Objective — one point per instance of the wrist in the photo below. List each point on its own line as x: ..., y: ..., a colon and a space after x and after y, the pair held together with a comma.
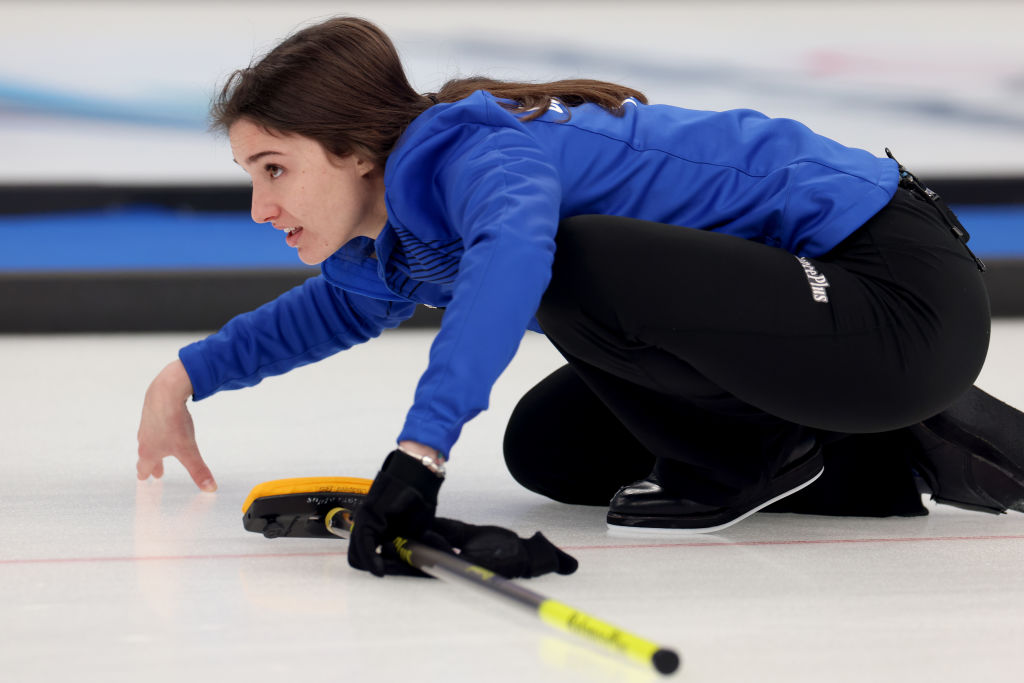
x: 174, y: 382
x: 410, y: 472
x: 419, y: 449
x: 428, y: 457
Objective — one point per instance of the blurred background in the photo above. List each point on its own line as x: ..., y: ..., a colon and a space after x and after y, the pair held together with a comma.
x: 119, y: 211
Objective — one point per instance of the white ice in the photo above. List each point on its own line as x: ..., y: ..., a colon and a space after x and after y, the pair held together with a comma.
x: 106, y: 579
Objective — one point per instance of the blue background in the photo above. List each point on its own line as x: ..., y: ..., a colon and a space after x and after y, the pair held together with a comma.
x: 144, y: 238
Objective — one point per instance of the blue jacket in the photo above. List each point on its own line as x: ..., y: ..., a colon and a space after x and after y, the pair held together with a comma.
x: 474, y: 197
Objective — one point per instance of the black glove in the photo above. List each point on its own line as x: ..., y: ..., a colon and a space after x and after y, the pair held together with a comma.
x: 502, y: 551
x: 490, y: 547
x: 401, y: 502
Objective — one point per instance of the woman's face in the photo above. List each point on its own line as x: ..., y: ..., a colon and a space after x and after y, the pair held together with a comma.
x: 320, y: 201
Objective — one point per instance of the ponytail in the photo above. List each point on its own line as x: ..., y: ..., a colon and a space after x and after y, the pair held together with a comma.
x: 533, y: 99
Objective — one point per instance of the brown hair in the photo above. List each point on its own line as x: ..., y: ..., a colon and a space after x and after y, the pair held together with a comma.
x: 341, y: 83
x: 533, y: 99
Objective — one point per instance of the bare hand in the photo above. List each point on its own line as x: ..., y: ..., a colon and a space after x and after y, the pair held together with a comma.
x: 166, y: 429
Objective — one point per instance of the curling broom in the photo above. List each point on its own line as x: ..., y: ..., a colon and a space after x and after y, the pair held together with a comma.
x: 323, y: 507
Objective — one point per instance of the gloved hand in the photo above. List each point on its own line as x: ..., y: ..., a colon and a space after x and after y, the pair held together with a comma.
x: 401, y: 502
x: 491, y: 547
x: 502, y: 551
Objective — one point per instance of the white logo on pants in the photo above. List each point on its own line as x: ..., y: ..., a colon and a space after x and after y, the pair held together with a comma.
x: 817, y: 281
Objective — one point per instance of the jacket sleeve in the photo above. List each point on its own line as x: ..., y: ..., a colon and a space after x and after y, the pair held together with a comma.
x: 502, y: 195
x: 303, y: 325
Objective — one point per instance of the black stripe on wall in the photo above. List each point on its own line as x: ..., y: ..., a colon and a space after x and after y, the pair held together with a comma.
x: 205, y: 300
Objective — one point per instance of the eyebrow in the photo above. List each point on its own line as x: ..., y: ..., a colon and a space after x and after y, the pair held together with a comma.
x: 257, y: 156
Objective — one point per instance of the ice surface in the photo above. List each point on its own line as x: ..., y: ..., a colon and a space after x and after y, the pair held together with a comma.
x: 106, y: 579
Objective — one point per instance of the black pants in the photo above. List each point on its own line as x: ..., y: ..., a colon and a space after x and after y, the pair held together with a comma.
x: 704, y: 356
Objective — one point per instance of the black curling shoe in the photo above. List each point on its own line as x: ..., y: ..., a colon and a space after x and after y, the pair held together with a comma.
x: 972, y: 454
x: 644, y: 507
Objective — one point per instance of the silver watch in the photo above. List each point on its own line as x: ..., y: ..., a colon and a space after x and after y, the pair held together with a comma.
x: 435, y: 465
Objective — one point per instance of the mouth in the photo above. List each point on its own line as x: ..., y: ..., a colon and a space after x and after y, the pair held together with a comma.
x: 292, y: 235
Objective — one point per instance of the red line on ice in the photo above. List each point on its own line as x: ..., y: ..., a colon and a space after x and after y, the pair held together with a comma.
x: 637, y: 546
x: 822, y: 541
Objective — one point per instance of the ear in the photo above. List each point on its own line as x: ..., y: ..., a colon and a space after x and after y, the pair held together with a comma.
x: 364, y: 165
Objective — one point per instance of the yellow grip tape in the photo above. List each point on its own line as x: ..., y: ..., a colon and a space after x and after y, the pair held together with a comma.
x: 572, y: 620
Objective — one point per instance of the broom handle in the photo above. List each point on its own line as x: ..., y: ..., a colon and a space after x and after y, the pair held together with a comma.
x: 446, y: 566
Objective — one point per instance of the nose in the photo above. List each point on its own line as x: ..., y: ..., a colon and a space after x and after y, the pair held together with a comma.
x: 264, y: 209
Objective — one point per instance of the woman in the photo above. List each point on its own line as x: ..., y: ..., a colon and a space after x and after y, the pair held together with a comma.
x: 734, y: 294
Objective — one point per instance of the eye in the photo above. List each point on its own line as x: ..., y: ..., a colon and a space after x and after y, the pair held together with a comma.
x: 273, y: 170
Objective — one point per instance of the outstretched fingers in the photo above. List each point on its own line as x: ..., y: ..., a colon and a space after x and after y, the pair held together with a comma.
x: 197, y: 469
x: 166, y: 429
x: 152, y: 465
x: 147, y: 467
